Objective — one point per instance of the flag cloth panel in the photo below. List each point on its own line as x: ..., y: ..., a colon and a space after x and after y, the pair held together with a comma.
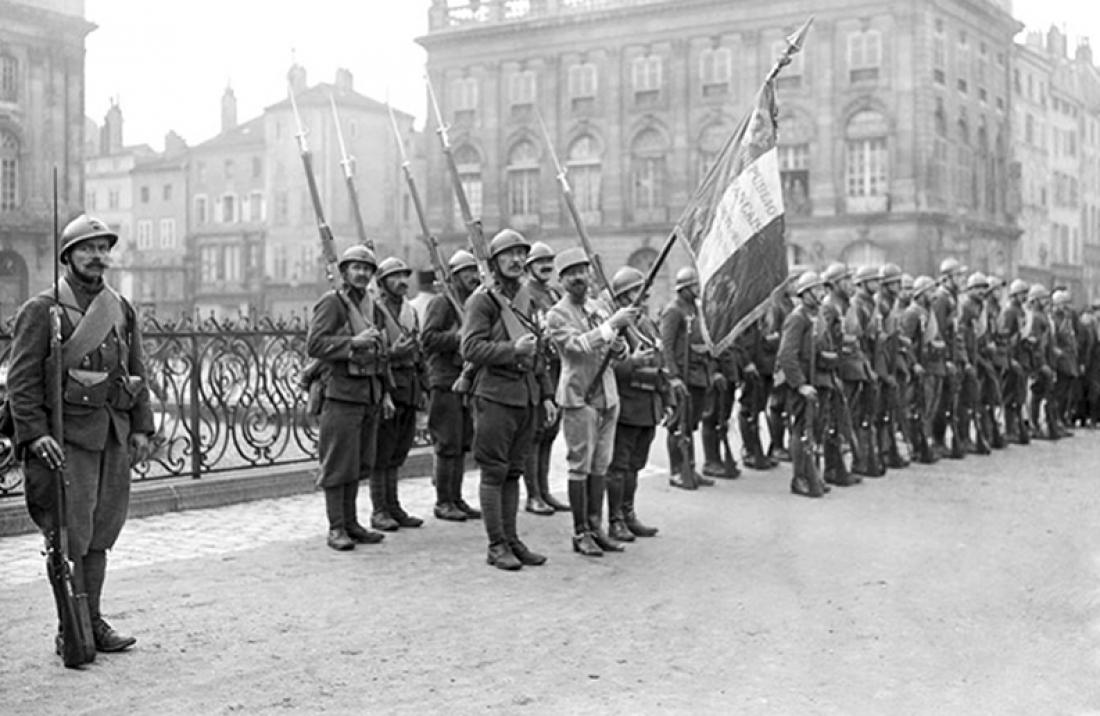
x: 735, y: 228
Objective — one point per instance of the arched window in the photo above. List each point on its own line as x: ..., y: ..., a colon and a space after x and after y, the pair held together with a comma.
x: 867, y: 168
x: 647, y: 171
x: 583, y: 164
x: 9, y: 172
x: 523, y: 183
x: 468, y: 162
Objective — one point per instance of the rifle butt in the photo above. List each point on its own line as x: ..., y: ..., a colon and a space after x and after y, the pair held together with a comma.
x: 77, y: 641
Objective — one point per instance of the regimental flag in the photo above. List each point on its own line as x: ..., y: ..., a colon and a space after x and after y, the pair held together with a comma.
x: 734, y: 227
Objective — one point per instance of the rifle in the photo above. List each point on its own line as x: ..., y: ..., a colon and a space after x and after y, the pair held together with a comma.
x: 348, y: 164
x: 724, y: 398
x: 328, y: 245
x: 442, y: 270
x: 77, y: 642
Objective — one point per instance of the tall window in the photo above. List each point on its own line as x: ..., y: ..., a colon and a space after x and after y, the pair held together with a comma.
x: 464, y: 97
x: 962, y: 63
x: 9, y: 171
x: 230, y: 168
x: 9, y: 78
x: 647, y: 169
x: 646, y: 78
x: 228, y: 205
x: 864, y: 56
x: 583, y: 162
x: 258, y: 164
x: 167, y: 233
x: 522, y: 88
x: 144, y: 195
x: 112, y: 198
x: 256, y: 206
x: 938, y: 176
x: 166, y: 192
x: 469, y: 174
x: 523, y: 184
x: 964, y: 172
x: 939, y: 54
x: 582, y: 82
x: 715, y: 70
x: 867, y: 170
x: 794, y: 175
x: 200, y: 210
x: 791, y: 77
x: 282, y: 207
x: 145, y: 234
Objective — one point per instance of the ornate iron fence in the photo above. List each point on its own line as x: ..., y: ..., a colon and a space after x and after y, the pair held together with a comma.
x: 224, y: 396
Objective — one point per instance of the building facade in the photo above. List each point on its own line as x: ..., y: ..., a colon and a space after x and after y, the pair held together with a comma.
x: 894, y: 129
x: 41, y: 127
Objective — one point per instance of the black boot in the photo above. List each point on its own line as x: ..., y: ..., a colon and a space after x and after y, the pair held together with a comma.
x: 500, y: 555
x: 751, y: 453
x: 338, y: 538
x: 509, y: 500
x: 578, y: 503
x: 393, y: 504
x: 380, y: 518
x: 806, y: 481
x: 1012, y: 424
x: 993, y: 429
x: 595, y: 484
x: 445, y: 508
x: 355, y: 531
x: 616, y: 520
x: 544, y: 486
x: 630, y: 488
x: 981, y: 438
x: 535, y: 504
x: 95, y: 574
x: 777, y: 432
x: 458, y: 474
x: 835, y: 471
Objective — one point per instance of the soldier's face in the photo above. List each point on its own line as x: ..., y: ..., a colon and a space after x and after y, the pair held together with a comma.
x: 543, y: 269
x: 397, y: 284
x: 890, y: 289
x: 468, y: 279
x: 89, y: 259
x: 358, y: 274
x: 575, y: 281
x: 510, y: 262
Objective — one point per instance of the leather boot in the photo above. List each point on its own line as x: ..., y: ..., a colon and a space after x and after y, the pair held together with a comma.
x: 835, y: 471
x: 981, y: 437
x: 380, y: 518
x: 776, y: 433
x: 578, y: 503
x: 595, y: 486
x: 499, y: 555
x: 616, y: 520
x: 630, y: 488
x: 993, y: 429
x: 1012, y: 424
x: 393, y: 504
x: 94, y: 574
x: 806, y: 481
x: 752, y: 454
x: 355, y: 531
x: 535, y: 504
x: 547, y: 496
x: 445, y: 508
x: 509, y: 511
x: 458, y: 474
x: 1053, y: 433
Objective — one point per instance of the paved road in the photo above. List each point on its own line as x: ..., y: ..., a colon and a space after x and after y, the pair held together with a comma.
x: 960, y: 588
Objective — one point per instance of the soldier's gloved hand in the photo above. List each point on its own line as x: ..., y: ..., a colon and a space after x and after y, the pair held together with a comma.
x: 47, y: 450
x: 807, y: 391
x: 719, y: 382
x: 403, y: 347
x: 951, y: 369
x: 623, y: 317
x: 366, y: 338
x: 1015, y: 366
x: 918, y: 369
x: 678, y: 388
x: 140, y: 448
x: 525, y: 345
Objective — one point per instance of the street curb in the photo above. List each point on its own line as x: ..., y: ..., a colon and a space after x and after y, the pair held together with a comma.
x: 159, y: 496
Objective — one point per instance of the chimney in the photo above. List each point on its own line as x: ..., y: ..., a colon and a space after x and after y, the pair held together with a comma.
x: 1084, y: 51
x: 344, y: 80
x: 296, y: 77
x: 174, y: 144
x: 111, y: 134
x: 229, y: 109
x: 1056, y: 43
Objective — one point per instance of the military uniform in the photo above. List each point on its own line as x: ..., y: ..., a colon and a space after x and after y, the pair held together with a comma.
x: 971, y: 332
x: 682, y: 338
x: 1040, y: 336
x: 536, y: 476
x: 945, y: 310
x: 754, y: 394
x: 1010, y: 326
x: 919, y: 328
x: 796, y: 368
x: 862, y: 380
x: 1066, y: 369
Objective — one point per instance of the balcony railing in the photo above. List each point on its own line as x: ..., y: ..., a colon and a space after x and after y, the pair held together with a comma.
x: 448, y: 14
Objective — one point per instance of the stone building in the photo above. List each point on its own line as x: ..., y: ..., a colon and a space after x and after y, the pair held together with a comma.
x: 41, y: 127
x: 894, y: 133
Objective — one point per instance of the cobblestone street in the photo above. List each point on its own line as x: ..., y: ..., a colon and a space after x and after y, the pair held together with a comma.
x: 959, y: 588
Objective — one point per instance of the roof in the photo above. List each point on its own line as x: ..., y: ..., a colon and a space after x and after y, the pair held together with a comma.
x: 320, y: 93
x: 243, y: 135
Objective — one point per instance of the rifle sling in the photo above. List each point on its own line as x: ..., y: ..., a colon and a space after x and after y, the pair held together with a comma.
x: 93, y: 326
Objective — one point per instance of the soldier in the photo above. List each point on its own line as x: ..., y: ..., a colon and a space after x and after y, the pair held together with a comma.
x: 945, y: 309
x: 864, y: 322
x: 642, y: 401
x: 501, y: 337
x: 105, y: 412
x: 583, y: 333
x: 396, y: 433
x: 893, y: 373
x: 449, y: 420
x: 996, y: 353
x: 544, y: 294
x: 779, y: 307
x: 796, y: 369
x: 688, y: 364
x: 755, y: 386
x: 1011, y: 324
x: 918, y: 325
x: 716, y: 417
x: 833, y: 432
x: 1090, y: 361
x: 971, y: 327
x: 345, y: 336
x: 1039, y: 334
x: 1066, y: 367
x: 837, y: 279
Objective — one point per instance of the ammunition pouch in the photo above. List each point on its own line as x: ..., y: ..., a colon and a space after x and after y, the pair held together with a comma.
x: 647, y: 379
x: 365, y: 362
x: 87, y: 388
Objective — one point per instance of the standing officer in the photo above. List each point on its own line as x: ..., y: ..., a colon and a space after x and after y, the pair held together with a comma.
x: 501, y: 337
x: 105, y: 412
x: 449, y: 420
x: 1066, y: 368
x: 688, y: 364
x: 345, y: 336
x: 796, y: 368
x: 1011, y: 325
x: 583, y: 333
x: 395, y: 433
x: 1040, y: 336
x: 544, y: 294
x: 642, y: 401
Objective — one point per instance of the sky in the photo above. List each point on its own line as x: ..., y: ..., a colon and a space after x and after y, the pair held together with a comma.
x: 169, y: 61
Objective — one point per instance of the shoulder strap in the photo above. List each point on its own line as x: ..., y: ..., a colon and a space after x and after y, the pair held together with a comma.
x: 513, y: 326
x: 103, y: 315
x: 361, y: 316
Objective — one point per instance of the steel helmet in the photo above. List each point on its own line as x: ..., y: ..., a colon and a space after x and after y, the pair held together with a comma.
x: 359, y: 253
x: 506, y: 239
x: 922, y: 284
x: 1037, y: 292
x: 391, y: 266
x: 1017, y: 287
x: 83, y: 228
x: 569, y: 258
x: 1060, y: 298
x: 461, y: 259
x: 808, y: 280
x: 626, y: 279
x: 835, y: 272
x: 906, y: 282
x: 949, y: 267
x: 539, y: 250
x: 995, y: 281
x: 889, y: 273
x: 977, y: 280
x: 686, y: 277
x: 865, y: 274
